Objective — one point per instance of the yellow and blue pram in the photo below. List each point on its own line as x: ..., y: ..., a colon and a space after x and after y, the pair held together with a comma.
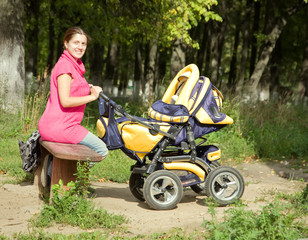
x: 169, y: 146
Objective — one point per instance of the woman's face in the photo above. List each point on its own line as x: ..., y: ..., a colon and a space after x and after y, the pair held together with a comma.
x: 76, y: 46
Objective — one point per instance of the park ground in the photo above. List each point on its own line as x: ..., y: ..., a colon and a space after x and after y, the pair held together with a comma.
x: 18, y: 203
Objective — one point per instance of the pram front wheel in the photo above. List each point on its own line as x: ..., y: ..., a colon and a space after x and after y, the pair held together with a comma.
x: 200, y: 187
x: 136, y: 182
x: 163, y: 190
x: 225, y: 185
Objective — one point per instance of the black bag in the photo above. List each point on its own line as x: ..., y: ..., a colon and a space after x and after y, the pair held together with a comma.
x: 30, y: 152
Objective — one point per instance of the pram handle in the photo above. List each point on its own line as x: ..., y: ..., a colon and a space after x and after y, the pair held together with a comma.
x: 120, y: 111
x: 103, y: 96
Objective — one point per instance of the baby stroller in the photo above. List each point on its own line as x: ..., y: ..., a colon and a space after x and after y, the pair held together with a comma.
x: 169, y: 146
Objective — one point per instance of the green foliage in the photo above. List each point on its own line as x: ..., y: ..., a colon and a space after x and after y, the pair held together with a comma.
x: 70, y: 206
x: 274, y: 221
x: 116, y: 167
x: 276, y: 130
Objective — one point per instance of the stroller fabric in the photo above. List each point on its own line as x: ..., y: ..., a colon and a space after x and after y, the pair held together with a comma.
x: 190, y: 98
x: 164, y: 112
x: 107, y: 127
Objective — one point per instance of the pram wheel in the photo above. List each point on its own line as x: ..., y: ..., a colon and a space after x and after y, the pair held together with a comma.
x: 225, y: 185
x: 163, y: 190
x: 136, y: 182
x: 200, y: 188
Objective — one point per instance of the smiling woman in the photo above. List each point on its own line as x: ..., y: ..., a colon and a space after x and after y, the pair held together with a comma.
x: 69, y: 94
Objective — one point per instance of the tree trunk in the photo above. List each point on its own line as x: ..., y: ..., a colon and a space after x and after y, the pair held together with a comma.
x: 163, y: 61
x: 203, y: 46
x: 264, y: 85
x: 177, y: 58
x: 218, y: 31
x: 267, y: 79
x: 51, y: 48
x: 138, y: 72
x: 251, y: 92
x: 12, y: 70
x: 111, y: 73
x: 31, y: 54
x: 150, y: 74
x: 302, y: 89
x: 244, y: 53
x: 233, y: 71
x: 275, y: 71
x: 255, y: 29
x: 96, y: 64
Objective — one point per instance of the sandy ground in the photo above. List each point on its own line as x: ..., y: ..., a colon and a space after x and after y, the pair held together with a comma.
x: 18, y: 203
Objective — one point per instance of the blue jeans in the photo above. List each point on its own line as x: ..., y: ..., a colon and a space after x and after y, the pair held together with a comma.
x: 95, y: 143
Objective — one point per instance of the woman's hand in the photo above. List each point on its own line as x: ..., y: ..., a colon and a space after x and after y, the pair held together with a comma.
x: 64, y: 85
x: 95, y: 90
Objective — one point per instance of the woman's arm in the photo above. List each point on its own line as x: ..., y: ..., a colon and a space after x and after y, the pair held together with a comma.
x: 64, y: 86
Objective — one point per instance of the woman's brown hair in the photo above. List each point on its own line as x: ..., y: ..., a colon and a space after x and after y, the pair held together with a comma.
x: 75, y: 30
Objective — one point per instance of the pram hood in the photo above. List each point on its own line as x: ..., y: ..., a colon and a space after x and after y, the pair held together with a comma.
x: 190, y: 95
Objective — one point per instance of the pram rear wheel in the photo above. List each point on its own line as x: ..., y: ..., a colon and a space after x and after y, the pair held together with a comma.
x: 163, y: 190
x: 200, y: 188
x: 136, y: 182
x: 225, y: 185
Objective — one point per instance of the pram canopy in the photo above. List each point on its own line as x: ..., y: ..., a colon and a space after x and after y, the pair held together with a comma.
x: 196, y: 96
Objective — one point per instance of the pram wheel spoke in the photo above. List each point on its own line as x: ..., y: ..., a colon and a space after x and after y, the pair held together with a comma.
x: 168, y: 196
x: 166, y: 183
x: 156, y: 191
x: 225, y: 185
x: 163, y: 190
x: 220, y: 181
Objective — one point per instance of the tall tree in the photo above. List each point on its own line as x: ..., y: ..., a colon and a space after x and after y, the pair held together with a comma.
x: 150, y: 73
x: 245, y: 46
x: 177, y: 57
x: 32, y: 12
x: 138, y: 71
x: 251, y: 92
x: 302, y: 88
x: 255, y: 31
x: 12, y: 70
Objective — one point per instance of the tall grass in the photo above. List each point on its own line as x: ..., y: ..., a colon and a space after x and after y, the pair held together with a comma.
x: 34, y: 107
x: 276, y: 130
x: 263, y: 130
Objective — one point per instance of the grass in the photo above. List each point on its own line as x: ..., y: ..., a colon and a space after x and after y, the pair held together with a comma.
x: 72, y: 206
x: 284, y: 218
x: 115, y: 168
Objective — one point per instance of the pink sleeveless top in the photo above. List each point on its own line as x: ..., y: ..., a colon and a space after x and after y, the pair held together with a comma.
x: 59, y: 124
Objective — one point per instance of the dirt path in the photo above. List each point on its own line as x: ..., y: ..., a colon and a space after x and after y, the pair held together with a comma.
x: 18, y: 203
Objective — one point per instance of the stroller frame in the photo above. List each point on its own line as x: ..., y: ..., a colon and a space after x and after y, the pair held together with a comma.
x: 172, y: 167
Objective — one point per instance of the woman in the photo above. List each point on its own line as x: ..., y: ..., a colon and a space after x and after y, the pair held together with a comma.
x: 69, y: 94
